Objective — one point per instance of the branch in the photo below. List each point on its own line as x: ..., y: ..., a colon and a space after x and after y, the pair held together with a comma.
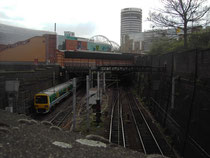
x: 178, y: 13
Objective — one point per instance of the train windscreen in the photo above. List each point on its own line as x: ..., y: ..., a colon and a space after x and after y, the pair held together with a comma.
x: 41, y: 99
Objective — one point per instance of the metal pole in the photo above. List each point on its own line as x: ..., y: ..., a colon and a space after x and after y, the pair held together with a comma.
x: 55, y: 28
x: 66, y: 73
x: 74, y: 103
x: 170, y: 90
x: 98, y: 85
x: 87, y: 102
x: 98, y: 106
x: 54, y: 80
x: 173, y: 92
x: 90, y: 78
x: 118, y: 107
x: 104, y: 78
x: 138, y: 83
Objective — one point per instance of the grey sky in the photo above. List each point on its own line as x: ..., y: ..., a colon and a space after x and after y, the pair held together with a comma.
x: 85, y: 17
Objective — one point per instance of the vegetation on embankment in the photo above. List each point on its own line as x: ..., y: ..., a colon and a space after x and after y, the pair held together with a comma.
x: 164, y: 45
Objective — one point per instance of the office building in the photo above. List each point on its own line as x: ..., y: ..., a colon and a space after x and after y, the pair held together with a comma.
x: 131, y: 22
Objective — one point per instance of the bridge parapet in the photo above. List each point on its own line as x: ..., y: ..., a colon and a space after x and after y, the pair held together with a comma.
x: 131, y: 68
x: 87, y: 67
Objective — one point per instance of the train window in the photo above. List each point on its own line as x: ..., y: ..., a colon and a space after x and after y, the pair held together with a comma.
x: 41, y: 99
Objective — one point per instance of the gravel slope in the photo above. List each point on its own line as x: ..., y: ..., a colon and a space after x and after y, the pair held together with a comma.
x: 21, y: 137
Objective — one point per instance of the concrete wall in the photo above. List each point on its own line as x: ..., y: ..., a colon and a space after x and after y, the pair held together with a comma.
x: 32, y: 79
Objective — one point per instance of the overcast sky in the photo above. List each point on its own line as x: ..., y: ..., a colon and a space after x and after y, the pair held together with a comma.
x: 84, y: 17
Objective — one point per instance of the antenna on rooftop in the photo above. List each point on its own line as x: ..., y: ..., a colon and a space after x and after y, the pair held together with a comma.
x: 55, y: 28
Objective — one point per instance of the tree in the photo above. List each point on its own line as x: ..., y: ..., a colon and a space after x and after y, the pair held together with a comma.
x: 165, y: 45
x: 178, y: 14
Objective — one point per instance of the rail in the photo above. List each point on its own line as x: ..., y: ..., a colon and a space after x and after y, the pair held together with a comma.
x: 111, y: 121
x: 116, y: 131
x: 122, y: 124
x: 148, y: 139
x: 192, y: 141
x: 138, y: 130
x: 59, y: 118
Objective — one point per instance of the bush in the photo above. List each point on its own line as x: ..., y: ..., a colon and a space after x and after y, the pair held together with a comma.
x: 165, y: 45
x: 200, y: 39
x: 196, y: 40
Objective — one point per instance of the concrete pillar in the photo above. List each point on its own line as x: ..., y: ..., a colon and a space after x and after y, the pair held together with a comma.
x: 74, y: 103
x: 98, y: 85
x: 104, y: 82
x: 87, y: 101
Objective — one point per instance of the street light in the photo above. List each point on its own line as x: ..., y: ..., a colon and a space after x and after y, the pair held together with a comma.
x: 192, y: 21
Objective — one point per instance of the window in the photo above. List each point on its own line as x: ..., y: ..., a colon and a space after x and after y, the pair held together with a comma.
x: 41, y: 99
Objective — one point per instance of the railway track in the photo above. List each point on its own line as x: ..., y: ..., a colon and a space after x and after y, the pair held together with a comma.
x: 146, y: 136
x: 64, y: 116
x: 165, y: 146
x: 61, y: 116
x: 117, y: 134
x: 146, y: 142
x: 133, y: 141
x: 130, y: 126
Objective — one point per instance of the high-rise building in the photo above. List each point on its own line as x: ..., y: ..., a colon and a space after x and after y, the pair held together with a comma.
x: 131, y: 22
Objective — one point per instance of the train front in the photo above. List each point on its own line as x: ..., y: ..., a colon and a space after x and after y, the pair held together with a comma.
x: 41, y: 103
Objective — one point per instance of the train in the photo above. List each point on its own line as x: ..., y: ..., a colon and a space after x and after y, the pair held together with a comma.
x: 46, y: 99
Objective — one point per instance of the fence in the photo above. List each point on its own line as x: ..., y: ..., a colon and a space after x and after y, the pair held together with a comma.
x: 179, y: 98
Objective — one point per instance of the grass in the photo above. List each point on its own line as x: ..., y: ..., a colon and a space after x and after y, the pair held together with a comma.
x: 94, y: 128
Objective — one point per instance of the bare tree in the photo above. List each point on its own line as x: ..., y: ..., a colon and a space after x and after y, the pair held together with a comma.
x: 178, y: 14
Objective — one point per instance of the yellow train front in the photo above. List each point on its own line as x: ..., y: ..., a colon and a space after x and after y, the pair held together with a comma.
x: 45, y: 100
x: 41, y: 103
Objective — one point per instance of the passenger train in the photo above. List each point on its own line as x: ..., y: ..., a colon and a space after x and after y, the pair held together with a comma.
x: 45, y: 100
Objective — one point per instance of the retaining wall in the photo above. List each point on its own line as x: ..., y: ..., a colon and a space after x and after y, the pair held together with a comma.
x: 32, y: 79
x: 180, y: 97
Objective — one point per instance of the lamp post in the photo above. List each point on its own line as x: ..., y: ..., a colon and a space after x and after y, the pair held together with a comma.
x: 192, y: 22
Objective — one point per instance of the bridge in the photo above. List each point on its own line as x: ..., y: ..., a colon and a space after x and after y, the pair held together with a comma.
x: 131, y: 69
x: 84, y: 57
x: 83, y: 61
